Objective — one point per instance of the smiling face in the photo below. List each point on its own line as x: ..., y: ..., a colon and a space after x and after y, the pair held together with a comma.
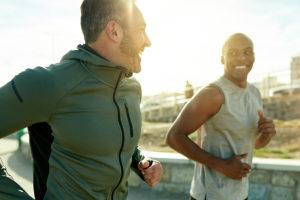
x: 238, y: 58
x: 134, y: 40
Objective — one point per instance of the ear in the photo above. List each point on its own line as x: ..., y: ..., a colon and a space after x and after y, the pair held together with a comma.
x: 222, y: 60
x: 114, y: 31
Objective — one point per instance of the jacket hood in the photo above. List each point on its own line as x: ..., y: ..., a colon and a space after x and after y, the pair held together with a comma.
x: 88, y: 57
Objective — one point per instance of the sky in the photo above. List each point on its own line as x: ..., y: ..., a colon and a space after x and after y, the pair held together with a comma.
x: 186, y: 36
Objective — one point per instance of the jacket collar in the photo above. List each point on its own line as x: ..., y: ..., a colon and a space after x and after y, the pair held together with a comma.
x: 104, y: 70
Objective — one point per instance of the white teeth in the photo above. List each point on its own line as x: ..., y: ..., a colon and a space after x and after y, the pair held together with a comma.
x: 241, y: 67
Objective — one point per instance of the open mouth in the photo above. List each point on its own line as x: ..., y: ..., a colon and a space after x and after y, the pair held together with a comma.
x: 141, y: 52
x: 241, y: 67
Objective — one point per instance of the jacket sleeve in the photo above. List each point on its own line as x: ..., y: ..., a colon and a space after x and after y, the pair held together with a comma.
x: 136, y: 158
x: 25, y: 100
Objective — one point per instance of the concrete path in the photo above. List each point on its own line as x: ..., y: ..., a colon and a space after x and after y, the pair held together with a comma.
x: 20, y: 169
x: 17, y: 165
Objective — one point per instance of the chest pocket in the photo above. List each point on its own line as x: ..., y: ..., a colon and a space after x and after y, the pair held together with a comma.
x: 129, y: 120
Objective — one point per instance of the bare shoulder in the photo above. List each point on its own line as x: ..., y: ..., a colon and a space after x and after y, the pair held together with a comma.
x: 210, y: 95
x: 207, y: 101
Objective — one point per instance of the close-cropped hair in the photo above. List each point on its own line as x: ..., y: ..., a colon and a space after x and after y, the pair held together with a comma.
x: 231, y: 37
x: 95, y: 14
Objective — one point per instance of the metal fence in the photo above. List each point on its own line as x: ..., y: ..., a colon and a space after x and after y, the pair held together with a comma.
x: 273, y: 82
x: 165, y: 107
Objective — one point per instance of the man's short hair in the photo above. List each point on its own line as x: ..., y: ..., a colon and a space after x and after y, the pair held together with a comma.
x: 95, y: 14
x: 231, y: 37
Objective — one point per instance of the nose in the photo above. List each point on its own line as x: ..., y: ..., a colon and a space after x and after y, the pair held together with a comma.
x: 147, y: 41
x: 241, y: 57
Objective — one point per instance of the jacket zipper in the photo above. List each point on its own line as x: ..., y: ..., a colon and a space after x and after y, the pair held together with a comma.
x: 122, y: 130
x: 129, y: 121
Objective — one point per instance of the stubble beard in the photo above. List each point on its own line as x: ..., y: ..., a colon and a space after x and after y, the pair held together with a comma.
x: 128, y: 48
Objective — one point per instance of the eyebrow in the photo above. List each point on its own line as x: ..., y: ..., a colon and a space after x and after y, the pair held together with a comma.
x: 231, y: 49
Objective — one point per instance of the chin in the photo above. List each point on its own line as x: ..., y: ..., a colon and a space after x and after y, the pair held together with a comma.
x: 136, y: 68
x: 241, y: 78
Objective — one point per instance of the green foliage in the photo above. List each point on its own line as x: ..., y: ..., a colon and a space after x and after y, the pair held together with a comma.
x: 272, y: 153
x: 293, y: 148
x: 163, y: 144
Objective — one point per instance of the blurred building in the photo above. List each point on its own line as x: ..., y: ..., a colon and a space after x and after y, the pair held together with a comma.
x: 293, y: 87
x: 280, y: 91
x: 295, y: 70
x: 270, y: 83
x: 163, y: 107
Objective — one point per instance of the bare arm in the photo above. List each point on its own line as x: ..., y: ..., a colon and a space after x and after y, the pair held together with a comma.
x: 202, y: 106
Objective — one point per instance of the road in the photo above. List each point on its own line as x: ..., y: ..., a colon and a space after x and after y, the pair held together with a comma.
x: 20, y: 168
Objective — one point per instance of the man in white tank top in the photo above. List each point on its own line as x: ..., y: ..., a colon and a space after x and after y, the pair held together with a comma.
x: 229, y: 110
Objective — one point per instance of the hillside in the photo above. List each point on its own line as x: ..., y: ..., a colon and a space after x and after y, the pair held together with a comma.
x: 286, y: 143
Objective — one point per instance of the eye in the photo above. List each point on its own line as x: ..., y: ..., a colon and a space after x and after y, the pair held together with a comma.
x: 248, y: 53
x: 232, y: 53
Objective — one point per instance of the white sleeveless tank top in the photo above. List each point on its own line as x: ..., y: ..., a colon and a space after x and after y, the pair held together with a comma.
x: 232, y: 131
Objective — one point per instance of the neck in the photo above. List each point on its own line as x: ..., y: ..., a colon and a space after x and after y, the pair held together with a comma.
x: 104, y: 52
x: 241, y: 84
x: 110, y: 51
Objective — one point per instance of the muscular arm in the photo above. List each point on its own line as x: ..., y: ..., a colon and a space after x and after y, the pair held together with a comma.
x: 199, y: 109
x: 204, y: 105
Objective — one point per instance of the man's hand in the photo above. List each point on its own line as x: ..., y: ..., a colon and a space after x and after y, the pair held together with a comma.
x: 234, y: 168
x: 152, y: 174
x: 266, y: 129
x: 266, y: 126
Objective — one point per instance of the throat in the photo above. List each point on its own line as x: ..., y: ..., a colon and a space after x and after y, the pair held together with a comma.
x: 238, y: 81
